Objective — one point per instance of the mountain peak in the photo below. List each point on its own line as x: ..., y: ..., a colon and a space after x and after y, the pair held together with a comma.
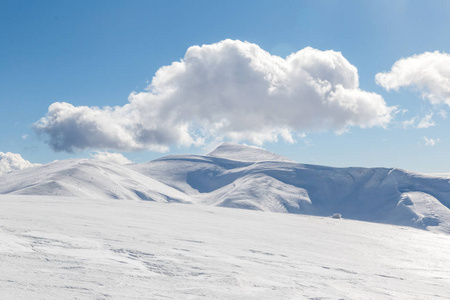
x: 243, y: 152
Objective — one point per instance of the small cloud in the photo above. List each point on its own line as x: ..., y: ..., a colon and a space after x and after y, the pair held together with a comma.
x: 10, y: 162
x: 443, y: 114
x: 409, y: 123
x: 426, y: 122
x: 24, y: 136
x: 116, y: 158
x: 401, y: 111
x: 431, y: 142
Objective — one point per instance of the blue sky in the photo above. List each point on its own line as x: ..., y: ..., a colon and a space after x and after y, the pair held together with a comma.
x: 95, y: 53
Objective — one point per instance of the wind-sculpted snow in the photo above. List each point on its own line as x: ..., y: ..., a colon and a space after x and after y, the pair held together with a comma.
x: 75, y: 248
x: 260, y: 181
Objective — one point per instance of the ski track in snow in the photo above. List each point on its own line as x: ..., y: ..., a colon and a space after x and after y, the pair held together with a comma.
x: 77, y: 248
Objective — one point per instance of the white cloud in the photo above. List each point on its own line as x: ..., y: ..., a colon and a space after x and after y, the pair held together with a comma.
x: 426, y: 121
x: 409, y: 123
x: 429, y: 73
x: 10, y: 162
x: 116, y: 158
x: 443, y: 114
x: 431, y: 142
x: 230, y: 90
x: 401, y: 111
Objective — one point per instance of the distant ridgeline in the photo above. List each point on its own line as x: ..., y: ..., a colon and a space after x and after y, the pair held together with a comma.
x: 249, y: 177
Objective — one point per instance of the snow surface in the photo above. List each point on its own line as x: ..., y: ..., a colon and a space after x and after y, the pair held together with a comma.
x: 241, y: 176
x: 78, y: 248
x: 444, y: 175
x: 367, y: 194
x: 88, y: 178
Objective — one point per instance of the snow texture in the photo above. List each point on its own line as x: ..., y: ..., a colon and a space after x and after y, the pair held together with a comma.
x: 65, y: 235
x: 77, y: 248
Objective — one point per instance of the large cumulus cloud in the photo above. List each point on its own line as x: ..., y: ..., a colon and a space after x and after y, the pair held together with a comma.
x: 229, y: 90
x: 10, y: 162
x: 429, y: 73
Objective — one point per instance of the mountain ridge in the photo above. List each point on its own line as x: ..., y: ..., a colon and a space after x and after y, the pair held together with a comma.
x: 261, y: 181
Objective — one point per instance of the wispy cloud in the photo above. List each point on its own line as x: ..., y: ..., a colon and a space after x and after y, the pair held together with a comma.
x: 409, y: 123
x: 426, y: 121
x: 230, y: 90
x: 431, y: 142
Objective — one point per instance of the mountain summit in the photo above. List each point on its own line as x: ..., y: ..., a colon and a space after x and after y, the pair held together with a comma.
x: 246, y: 153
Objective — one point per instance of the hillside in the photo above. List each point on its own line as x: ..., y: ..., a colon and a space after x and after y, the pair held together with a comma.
x: 385, y: 195
x: 249, y: 177
x: 89, y: 179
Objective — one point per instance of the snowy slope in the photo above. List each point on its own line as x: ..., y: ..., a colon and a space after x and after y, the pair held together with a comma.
x: 260, y: 180
x: 368, y: 194
x: 88, y: 178
x: 73, y: 248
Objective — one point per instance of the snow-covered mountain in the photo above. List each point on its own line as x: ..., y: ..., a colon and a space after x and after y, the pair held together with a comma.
x: 88, y: 179
x: 250, y: 177
x: 63, y: 234
x: 271, y: 183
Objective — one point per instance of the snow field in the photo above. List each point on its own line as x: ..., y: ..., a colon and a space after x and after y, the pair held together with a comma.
x: 78, y: 248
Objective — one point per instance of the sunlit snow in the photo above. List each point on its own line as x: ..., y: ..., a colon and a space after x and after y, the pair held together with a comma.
x: 67, y: 248
x: 90, y: 229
